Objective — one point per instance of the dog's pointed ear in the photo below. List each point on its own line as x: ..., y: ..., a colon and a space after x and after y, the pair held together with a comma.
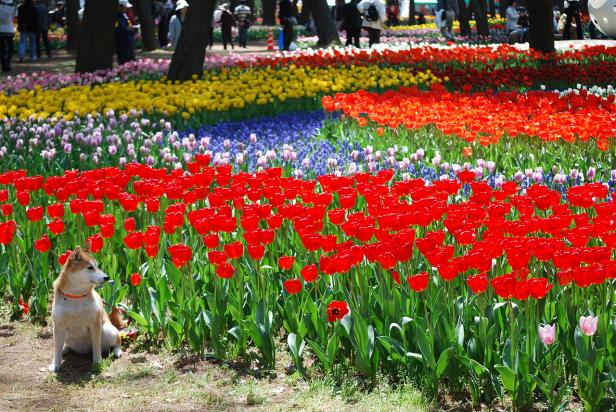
x: 76, y: 255
x: 88, y: 247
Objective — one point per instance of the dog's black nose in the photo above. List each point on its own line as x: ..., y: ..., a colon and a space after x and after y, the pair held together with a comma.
x: 105, y: 278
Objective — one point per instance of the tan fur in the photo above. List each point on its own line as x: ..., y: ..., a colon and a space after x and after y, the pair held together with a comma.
x: 81, y: 323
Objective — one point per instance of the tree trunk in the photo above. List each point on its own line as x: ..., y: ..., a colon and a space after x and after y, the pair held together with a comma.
x: 481, y: 17
x: 540, y: 26
x: 189, y: 54
x: 465, y: 27
x: 269, y: 12
x: 148, y: 34
x: 72, y: 24
x: 324, y: 22
x: 95, y: 49
x: 411, y: 12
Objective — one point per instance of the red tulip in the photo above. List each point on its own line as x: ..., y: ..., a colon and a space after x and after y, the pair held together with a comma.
x: 211, y: 241
x: 129, y: 224
x: 337, y: 310
x: 4, y: 195
x: 7, y: 209
x: 478, y: 283
x: 25, y: 308
x: 234, y: 250
x: 34, y: 214
x: 180, y: 254
x: 56, y: 211
x: 419, y: 282
x: 225, y: 270
x: 286, y: 262
x: 63, y: 258
x: 135, y: 279
x: 293, y: 286
x: 133, y: 240
x: 107, y: 231
x: 43, y: 244
x: 96, y: 243
x: 256, y: 252
x: 23, y: 198
x: 309, y: 273
x: 56, y: 226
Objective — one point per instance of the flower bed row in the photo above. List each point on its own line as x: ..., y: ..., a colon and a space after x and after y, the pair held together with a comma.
x: 451, y: 279
x: 487, y: 117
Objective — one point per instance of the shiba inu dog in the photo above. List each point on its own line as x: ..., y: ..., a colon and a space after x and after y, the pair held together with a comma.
x: 80, y: 322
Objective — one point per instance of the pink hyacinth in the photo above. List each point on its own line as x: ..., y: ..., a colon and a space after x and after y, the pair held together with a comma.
x: 588, y: 325
x: 547, y: 334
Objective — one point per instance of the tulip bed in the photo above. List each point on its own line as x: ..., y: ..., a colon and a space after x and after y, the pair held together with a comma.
x: 442, y: 219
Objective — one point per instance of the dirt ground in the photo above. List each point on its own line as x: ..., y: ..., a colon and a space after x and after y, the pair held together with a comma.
x: 161, y: 382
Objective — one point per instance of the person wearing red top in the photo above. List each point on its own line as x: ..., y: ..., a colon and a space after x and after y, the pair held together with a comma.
x: 393, y: 13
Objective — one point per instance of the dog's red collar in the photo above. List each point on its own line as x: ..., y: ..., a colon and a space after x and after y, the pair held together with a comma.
x: 68, y: 295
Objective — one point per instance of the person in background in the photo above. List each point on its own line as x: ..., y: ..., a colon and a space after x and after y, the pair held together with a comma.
x: 124, y: 34
x: 374, y: 17
x: 514, y: 29
x: 421, y: 17
x: 288, y: 19
x: 450, y: 12
x: 572, y: 10
x: 243, y: 18
x: 226, y: 26
x: 42, y: 17
x: 337, y: 13
x: 58, y: 15
x: 28, y: 27
x: 393, y: 13
x: 162, y: 22
x: 7, y: 31
x: 351, y: 22
x: 176, y: 23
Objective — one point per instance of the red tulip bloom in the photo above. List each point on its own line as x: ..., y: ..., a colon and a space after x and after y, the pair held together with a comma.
x: 225, y: 270
x: 216, y: 257
x: 129, y: 224
x: 286, y: 262
x: 151, y: 236
x: 23, y: 198
x: 419, y: 282
x: 478, y: 283
x: 337, y: 310
x: 135, y: 279
x: 96, y: 243
x: 4, y: 195
x: 64, y: 257
x: 107, y: 231
x: 56, y: 227
x: 7, y: 210
x: 234, y: 250
x: 396, y: 277
x: 180, y: 254
x: 256, y: 252
x: 211, y: 241
x: 133, y: 240
x: 34, y: 214
x: 43, y: 244
x: 293, y: 286
x: 25, y: 308
x: 56, y: 211
x: 309, y: 273
x: 151, y: 250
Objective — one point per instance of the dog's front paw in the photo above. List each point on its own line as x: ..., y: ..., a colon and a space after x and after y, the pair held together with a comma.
x: 53, y: 368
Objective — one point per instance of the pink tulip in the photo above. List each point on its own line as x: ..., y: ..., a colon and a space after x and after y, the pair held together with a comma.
x: 547, y: 334
x: 588, y: 325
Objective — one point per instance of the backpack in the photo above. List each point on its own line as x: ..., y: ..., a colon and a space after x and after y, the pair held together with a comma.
x: 372, y: 14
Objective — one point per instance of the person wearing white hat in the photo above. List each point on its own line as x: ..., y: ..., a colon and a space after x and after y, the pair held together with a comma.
x: 124, y: 34
x: 176, y: 23
x: 7, y: 31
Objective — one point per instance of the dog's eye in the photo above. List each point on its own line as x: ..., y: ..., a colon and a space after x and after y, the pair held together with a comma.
x: 91, y: 267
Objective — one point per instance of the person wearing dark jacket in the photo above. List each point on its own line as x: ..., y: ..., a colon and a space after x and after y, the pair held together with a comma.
x: 42, y: 18
x: 124, y: 34
x: 226, y: 26
x: 288, y: 19
x: 351, y: 22
x: 28, y: 27
x: 7, y: 31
